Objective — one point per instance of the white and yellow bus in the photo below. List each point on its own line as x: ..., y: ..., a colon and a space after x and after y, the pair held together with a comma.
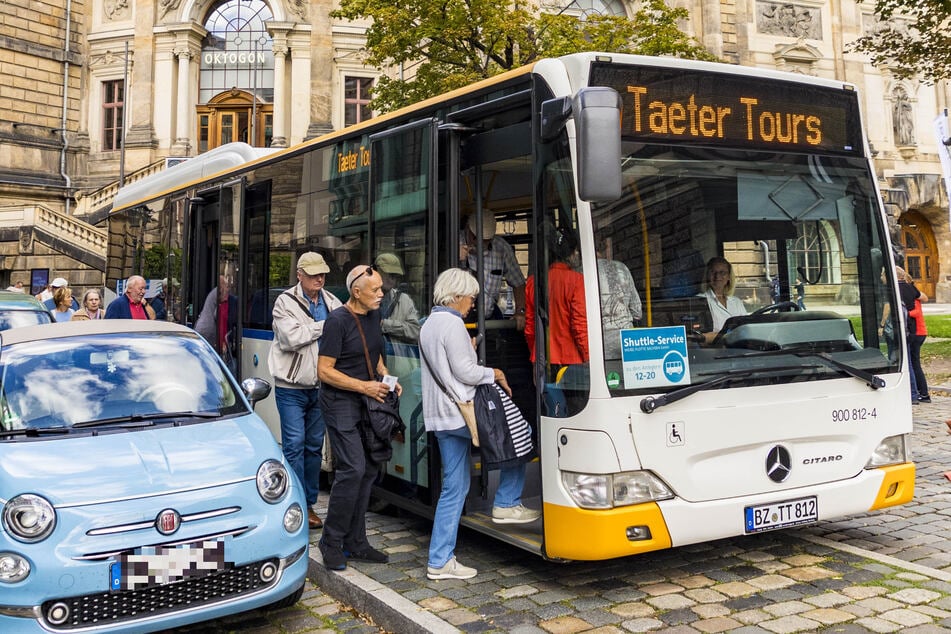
x: 794, y: 410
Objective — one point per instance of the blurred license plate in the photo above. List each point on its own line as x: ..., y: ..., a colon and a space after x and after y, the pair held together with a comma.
x: 160, y: 565
x: 767, y: 517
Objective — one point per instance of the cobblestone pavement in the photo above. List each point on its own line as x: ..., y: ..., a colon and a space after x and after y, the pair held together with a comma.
x: 882, y: 572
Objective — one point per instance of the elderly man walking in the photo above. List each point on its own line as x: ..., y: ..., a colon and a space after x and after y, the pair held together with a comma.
x: 299, y: 314
x: 131, y: 304
x: 351, y: 333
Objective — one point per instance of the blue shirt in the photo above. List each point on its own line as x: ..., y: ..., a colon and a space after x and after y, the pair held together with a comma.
x: 318, y: 309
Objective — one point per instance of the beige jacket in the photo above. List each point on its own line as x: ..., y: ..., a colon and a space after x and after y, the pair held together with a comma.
x: 292, y: 359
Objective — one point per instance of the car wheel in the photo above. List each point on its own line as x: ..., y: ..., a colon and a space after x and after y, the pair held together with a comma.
x: 289, y: 600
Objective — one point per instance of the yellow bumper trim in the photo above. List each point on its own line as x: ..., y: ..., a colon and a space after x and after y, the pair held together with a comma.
x: 898, y: 486
x: 584, y: 534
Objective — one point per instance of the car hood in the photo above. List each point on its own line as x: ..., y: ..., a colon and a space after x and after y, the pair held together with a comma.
x: 72, y: 470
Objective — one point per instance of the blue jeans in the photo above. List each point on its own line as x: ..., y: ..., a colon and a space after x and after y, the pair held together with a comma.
x: 454, y: 451
x: 302, y: 435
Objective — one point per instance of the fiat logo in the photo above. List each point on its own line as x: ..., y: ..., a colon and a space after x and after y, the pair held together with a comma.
x: 168, y: 521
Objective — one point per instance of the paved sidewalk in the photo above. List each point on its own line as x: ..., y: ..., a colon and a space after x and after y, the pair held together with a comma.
x: 883, y: 572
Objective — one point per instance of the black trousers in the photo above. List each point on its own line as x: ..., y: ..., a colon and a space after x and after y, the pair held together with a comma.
x: 345, y: 525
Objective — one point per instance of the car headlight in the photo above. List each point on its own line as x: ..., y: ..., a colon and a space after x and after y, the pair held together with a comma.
x: 604, y: 491
x: 272, y: 481
x: 293, y: 518
x: 13, y: 568
x: 892, y: 450
x: 29, y: 518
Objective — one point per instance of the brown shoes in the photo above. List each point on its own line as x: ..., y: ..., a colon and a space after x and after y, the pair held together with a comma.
x: 313, y: 520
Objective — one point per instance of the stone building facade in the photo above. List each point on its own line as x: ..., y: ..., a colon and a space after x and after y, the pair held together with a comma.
x: 142, y: 83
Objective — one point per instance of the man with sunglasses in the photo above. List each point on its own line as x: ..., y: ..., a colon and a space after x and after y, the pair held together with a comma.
x: 351, y: 334
x: 300, y: 314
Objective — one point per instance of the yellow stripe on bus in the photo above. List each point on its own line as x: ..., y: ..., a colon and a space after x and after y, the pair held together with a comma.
x: 898, y: 486
x: 584, y: 534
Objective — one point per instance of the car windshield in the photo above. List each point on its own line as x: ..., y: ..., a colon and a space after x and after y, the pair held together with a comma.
x: 17, y: 318
x: 66, y: 381
x: 799, y: 254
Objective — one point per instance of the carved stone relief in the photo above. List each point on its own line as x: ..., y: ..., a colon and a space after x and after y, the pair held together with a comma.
x: 790, y: 20
x: 115, y: 10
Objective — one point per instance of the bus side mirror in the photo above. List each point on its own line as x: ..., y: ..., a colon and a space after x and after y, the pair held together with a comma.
x: 597, y: 113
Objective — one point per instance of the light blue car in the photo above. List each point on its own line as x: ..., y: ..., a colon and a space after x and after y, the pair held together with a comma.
x: 139, y: 491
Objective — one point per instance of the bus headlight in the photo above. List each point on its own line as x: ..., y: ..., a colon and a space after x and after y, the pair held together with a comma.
x: 892, y: 450
x: 29, y: 518
x: 273, y: 481
x: 604, y: 491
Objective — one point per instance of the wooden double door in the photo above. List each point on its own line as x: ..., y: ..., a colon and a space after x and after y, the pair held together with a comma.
x: 235, y: 115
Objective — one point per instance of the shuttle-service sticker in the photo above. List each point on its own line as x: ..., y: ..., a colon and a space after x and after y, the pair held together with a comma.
x: 655, y: 357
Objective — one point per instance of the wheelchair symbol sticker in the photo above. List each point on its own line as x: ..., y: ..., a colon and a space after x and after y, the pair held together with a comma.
x: 675, y: 434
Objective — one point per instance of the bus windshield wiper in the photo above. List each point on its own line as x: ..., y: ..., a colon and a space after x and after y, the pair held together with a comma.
x: 650, y: 403
x: 148, y: 419
x: 872, y: 380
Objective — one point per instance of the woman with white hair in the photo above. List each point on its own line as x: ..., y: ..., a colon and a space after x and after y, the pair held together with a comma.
x: 449, y: 354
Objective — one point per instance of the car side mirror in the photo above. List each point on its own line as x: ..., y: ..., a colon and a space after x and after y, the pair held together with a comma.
x: 255, y: 389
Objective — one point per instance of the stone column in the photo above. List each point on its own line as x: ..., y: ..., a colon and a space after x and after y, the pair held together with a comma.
x: 164, y: 109
x: 280, y: 49
x: 301, y: 88
x: 140, y: 138
x: 182, y: 145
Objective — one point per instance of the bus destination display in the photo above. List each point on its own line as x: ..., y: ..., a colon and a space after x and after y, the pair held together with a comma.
x: 678, y: 105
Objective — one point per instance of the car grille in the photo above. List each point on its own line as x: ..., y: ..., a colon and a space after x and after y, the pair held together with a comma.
x: 118, y: 607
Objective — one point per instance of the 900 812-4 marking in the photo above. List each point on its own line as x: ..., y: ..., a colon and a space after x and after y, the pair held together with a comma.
x: 854, y: 414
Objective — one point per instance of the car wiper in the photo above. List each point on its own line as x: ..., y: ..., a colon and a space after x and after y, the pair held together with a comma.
x: 872, y: 380
x: 650, y: 403
x: 34, y: 432
x: 148, y: 419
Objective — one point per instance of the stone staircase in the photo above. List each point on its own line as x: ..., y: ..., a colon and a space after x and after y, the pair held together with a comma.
x: 65, y: 234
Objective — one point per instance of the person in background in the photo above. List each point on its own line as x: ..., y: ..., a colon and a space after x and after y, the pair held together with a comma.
x: 299, y: 316
x: 345, y: 380
x: 44, y: 295
x: 620, y: 301
x: 16, y: 287
x: 155, y: 296
x: 499, y: 262
x: 131, y: 304
x: 911, y: 297
x: 449, y: 354
x: 218, y: 319
x: 719, y: 284
x: 568, y: 327
x: 400, y: 319
x: 63, y: 304
x: 92, y: 306
x: 800, y: 294
x: 50, y: 303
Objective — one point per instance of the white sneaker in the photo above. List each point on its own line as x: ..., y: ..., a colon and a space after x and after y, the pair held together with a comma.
x: 452, y: 570
x: 517, y: 514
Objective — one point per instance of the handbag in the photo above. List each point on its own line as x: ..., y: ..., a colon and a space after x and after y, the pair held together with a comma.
x: 466, y: 408
x: 506, y: 434
x: 384, y: 421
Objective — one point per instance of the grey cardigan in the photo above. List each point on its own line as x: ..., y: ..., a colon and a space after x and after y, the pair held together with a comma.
x: 448, y: 349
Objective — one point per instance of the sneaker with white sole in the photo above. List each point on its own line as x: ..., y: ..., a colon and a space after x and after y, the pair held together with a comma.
x: 452, y: 570
x: 517, y: 514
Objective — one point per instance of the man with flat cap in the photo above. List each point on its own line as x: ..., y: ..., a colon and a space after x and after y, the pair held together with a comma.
x: 299, y: 314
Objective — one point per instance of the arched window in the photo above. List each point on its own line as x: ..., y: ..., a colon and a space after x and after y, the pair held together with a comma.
x: 816, y: 253
x: 583, y: 8
x: 237, y: 52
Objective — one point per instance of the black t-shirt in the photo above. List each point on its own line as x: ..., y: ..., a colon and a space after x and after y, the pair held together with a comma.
x: 341, y: 341
x: 908, y: 294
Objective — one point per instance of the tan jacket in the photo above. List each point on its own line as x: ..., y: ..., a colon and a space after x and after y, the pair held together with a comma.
x: 292, y: 359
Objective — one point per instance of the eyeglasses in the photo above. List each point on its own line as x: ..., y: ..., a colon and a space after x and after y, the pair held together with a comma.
x: 367, y: 271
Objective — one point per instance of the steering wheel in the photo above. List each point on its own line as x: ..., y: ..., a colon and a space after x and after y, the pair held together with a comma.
x: 168, y: 397
x: 775, y: 308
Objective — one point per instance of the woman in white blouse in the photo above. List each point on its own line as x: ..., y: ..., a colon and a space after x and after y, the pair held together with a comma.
x: 719, y: 283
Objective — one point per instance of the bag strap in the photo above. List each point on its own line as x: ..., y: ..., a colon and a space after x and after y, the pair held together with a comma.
x: 366, y: 351
x: 300, y: 302
x: 422, y: 356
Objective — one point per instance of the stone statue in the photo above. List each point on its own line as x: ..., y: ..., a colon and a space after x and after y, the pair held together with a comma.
x: 903, y: 124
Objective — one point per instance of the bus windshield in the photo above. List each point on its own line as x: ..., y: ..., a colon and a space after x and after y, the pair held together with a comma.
x: 750, y: 267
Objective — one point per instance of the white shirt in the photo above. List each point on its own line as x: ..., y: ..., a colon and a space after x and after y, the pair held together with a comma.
x: 719, y: 312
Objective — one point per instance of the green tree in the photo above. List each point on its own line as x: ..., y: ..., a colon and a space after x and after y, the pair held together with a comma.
x: 912, y: 38
x: 446, y: 44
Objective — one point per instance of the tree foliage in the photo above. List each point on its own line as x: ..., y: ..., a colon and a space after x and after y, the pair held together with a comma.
x: 446, y: 44
x: 912, y: 38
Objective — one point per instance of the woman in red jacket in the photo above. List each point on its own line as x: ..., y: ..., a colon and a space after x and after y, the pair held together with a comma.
x: 567, y: 326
